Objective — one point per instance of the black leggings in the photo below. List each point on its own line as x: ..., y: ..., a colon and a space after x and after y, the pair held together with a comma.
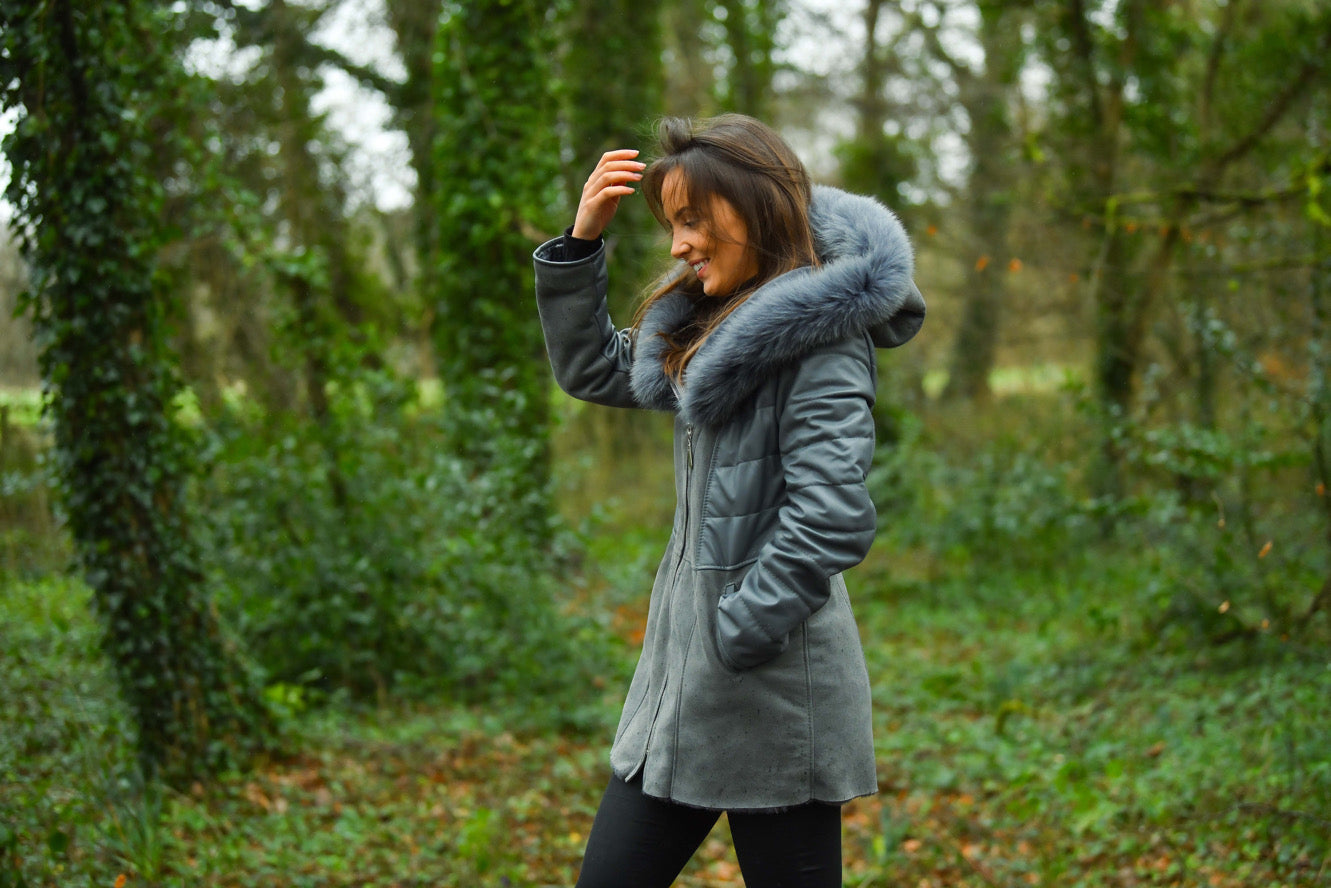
x: 641, y: 842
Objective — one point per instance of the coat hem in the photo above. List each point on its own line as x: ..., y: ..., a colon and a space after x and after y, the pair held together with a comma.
x: 761, y: 809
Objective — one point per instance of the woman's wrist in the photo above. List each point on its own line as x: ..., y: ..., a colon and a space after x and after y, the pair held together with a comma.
x: 583, y: 233
x: 576, y: 248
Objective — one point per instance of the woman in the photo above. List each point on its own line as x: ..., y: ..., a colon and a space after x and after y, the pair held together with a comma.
x: 751, y: 695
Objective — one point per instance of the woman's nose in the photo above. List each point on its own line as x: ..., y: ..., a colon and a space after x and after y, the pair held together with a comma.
x: 678, y: 246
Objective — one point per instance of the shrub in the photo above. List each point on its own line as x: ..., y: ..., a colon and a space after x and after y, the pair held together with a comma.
x: 32, y: 541
x: 361, y: 558
x: 1224, y: 525
x: 1004, y: 502
x: 1232, y: 520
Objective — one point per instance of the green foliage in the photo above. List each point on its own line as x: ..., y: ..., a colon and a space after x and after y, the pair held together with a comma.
x: 374, y: 796
x: 88, y: 205
x: 1021, y: 731
x: 409, y: 577
x: 1178, y: 131
x: 66, y: 738
x: 496, y: 166
x: 1004, y: 501
x: 878, y: 165
x: 1024, y: 733
x: 1240, y: 562
x: 31, y: 541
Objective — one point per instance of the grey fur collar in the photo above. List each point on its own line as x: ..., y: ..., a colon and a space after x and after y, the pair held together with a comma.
x: 865, y: 285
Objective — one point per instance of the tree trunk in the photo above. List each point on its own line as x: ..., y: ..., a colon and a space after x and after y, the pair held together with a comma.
x: 496, y: 163
x: 987, y: 98
x: 415, y: 23
x: 750, y: 29
x: 690, y: 78
x: 1319, y: 384
x: 90, y: 80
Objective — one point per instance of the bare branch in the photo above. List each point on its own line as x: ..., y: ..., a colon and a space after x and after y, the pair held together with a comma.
x: 1277, y: 108
x: 1207, y: 98
x: 1084, y: 54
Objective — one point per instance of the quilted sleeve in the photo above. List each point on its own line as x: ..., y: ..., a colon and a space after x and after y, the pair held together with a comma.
x: 589, y: 357
x: 827, y: 521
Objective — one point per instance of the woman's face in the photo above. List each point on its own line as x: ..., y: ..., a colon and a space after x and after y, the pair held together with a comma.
x: 713, y: 240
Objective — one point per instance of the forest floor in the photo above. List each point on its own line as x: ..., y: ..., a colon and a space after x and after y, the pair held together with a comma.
x: 1028, y: 730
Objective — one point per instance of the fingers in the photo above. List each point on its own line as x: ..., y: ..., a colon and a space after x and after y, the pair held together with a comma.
x: 618, y: 161
x: 619, y: 155
x: 614, y: 175
x: 613, y: 178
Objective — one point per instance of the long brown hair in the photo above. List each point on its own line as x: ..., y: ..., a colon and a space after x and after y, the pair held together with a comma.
x: 744, y: 162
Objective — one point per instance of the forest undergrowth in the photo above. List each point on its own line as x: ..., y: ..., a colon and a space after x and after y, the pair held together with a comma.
x: 1020, y: 741
x: 1051, y: 708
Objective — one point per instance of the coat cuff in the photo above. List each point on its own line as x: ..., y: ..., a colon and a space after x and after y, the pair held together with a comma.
x: 567, y: 248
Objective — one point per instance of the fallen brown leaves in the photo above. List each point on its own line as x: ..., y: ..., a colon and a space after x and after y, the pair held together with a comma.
x: 488, y: 806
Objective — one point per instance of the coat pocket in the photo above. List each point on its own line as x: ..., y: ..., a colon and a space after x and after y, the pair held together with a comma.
x: 730, y: 590
x: 741, y: 642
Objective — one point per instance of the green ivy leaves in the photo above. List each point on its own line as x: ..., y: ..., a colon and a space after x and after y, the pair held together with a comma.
x: 88, y: 82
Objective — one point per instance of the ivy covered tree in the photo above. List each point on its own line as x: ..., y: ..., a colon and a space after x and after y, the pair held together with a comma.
x: 751, y: 37
x: 496, y: 169
x: 874, y: 160
x: 615, y: 83
x: 1174, y: 121
x: 92, y: 85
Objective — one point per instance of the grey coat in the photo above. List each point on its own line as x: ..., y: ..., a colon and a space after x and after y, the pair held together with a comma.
x: 751, y: 691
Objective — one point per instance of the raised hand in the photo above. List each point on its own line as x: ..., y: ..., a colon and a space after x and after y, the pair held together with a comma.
x: 612, y: 179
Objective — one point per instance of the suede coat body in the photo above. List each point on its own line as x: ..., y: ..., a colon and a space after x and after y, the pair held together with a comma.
x: 751, y: 691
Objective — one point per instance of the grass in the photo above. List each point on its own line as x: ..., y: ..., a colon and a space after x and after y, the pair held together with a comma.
x: 1023, y: 738
x: 1031, y: 729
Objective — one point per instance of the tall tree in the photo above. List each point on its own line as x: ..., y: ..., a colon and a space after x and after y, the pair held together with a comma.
x: 412, y: 99
x: 750, y: 28
x: 1160, y: 110
x: 277, y: 298
x: 317, y: 269
x: 93, y: 86
x: 987, y: 95
x: 875, y: 161
x: 496, y: 168
x: 689, y: 71
x: 721, y: 55
x: 415, y: 22
x: 615, y: 86
x: 1319, y: 388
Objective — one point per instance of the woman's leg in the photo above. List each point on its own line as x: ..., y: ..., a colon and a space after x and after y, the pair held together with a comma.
x: 638, y: 841
x: 798, y: 848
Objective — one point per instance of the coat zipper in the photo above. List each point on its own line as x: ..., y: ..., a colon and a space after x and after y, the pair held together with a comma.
x: 688, y: 481
x: 674, y: 585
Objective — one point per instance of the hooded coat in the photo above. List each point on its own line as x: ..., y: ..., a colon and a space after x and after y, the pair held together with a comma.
x: 751, y: 691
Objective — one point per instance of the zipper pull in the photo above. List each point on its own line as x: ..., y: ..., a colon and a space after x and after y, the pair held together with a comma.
x: 688, y: 442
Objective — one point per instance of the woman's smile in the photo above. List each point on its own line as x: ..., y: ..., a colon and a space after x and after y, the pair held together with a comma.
x: 712, y: 240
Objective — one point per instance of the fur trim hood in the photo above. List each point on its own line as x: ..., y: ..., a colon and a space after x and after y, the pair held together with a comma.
x: 864, y: 285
